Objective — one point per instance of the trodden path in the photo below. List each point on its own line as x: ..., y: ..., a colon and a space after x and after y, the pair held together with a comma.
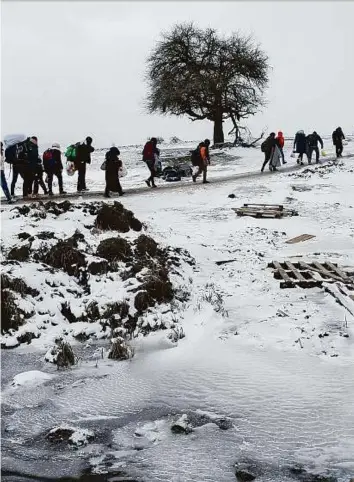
x: 186, y: 184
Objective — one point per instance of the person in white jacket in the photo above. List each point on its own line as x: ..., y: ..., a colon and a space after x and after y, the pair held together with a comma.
x: 3, y: 178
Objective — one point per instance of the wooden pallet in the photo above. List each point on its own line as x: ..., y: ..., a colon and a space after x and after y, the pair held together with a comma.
x: 309, y: 275
x: 264, y: 211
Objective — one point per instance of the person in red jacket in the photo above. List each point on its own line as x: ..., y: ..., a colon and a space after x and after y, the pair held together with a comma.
x: 280, y: 143
x: 150, y: 153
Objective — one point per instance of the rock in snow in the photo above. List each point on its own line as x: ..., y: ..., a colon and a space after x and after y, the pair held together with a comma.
x: 31, y: 379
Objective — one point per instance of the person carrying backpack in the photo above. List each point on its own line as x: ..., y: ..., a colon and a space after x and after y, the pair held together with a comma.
x: 312, y: 146
x: 3, y: 178
x: 17, y: 155
x: 83, y: 157
x: 53, y: 166
x: 280, y: 143
x: 35, y: 168
x: 150, y: 152
x: 300, y: 146
x: 268, y: 147
x: 202, y: 154
x: 113, y: 165
x: 337, y: 138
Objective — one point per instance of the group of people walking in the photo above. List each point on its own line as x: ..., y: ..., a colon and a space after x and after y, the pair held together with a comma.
x: 303, y: 144
x: 23, y: 156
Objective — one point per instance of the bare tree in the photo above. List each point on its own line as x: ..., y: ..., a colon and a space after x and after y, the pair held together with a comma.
x: 196, y: 72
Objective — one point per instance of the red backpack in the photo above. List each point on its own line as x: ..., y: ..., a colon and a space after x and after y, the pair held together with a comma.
x: 47, y: 155
x: 148, y: 152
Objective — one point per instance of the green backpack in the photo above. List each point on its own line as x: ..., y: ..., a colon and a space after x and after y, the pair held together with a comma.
x: 70, y: 152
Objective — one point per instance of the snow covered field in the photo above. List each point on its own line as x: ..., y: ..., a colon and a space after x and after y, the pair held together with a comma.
x: 275, y: 365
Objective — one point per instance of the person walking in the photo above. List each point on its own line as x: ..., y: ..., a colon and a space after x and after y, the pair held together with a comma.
x: 312, y: 145
x: 53, y: 166
x: 4, y: 186
x: 150, y: 152
x: 113, y: 166
x: 83, y: 157
x: 204, y: 161
x: 300, y: 146
x: 17, y: 155
x: 337, y: 138
x: 268, y: 147
x: 36, y: 168
x: 280, y: 143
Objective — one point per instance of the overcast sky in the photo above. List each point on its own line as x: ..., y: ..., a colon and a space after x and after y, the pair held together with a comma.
x: 71, y: 69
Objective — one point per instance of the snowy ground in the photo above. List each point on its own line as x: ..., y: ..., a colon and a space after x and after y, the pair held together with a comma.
x: 253, y: 353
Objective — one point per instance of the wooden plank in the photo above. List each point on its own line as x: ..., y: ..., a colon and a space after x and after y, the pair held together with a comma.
x: 295, y: 271
x: 298, y: 239
x: 308, y: 267
x: 339, y: 272
x: 279, y: 207
x: 324, y: 272
x: 282, y: 272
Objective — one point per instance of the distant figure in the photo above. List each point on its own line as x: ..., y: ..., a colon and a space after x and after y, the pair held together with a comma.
x: 300, y: 146
x: 3, y: 178
x: 36, y: 168
x: 268, y: 147
x: 16, y: 155
x: 280, y: 143
x: 83, y: 157
x: 312, y: 146
x: 204, y: 161
x: 113, y: 166
x: 149, y: 157
x: 53, y: 167
x: 337, y: 138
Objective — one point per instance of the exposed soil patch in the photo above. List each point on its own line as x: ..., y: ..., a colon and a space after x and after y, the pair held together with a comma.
x: 116, y: 218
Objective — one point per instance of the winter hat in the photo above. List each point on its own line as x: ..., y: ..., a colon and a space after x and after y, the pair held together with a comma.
x: 280, y: 134
x: 56, y: 146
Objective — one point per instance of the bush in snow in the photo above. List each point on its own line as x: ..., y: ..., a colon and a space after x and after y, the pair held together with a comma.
x: 61, y: 354
x: 176, y: 334
x: 175, y: 140
x: 63, y: 256
x: 120, y: 350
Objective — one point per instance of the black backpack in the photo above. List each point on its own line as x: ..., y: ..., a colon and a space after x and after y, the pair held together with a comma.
x: 17, y: 153
x: 264, y: 145
x: 195, y: 157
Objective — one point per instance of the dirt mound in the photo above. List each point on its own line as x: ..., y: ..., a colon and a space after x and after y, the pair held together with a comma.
x: 17, y: 285
x: 64, y: 256
x: 20, y: 253
x: 116, y: 218
x: 145, y: 245
x: 98, y: 267
x: 115, y: 249
x: 157, y: 288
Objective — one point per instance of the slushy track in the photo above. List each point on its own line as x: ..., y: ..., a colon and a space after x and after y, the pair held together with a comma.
x: 187, y: 184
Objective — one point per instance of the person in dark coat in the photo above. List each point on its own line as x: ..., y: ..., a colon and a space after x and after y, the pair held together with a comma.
x: 149, y: 157
x: 337, y: 138
x: 113, y: 165
x: 83, y: 157
x: 17, y: 156
x: 300, y: 146
x: 312, y: 145
x: 268, y: 147
x: 36, y: 168
x: 53, y: 166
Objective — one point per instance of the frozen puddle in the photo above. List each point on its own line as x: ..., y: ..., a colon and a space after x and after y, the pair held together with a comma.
x: 284, y: 410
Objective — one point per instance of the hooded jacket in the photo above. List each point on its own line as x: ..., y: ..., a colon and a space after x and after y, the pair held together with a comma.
x: 280, y: 140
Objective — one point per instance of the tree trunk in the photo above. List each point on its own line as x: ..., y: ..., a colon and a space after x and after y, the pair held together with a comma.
x: 218, y: 129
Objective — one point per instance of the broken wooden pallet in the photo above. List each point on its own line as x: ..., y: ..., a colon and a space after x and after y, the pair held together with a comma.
x: 309, y: 275
x: 299, y: 239
x: 264, y: 211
